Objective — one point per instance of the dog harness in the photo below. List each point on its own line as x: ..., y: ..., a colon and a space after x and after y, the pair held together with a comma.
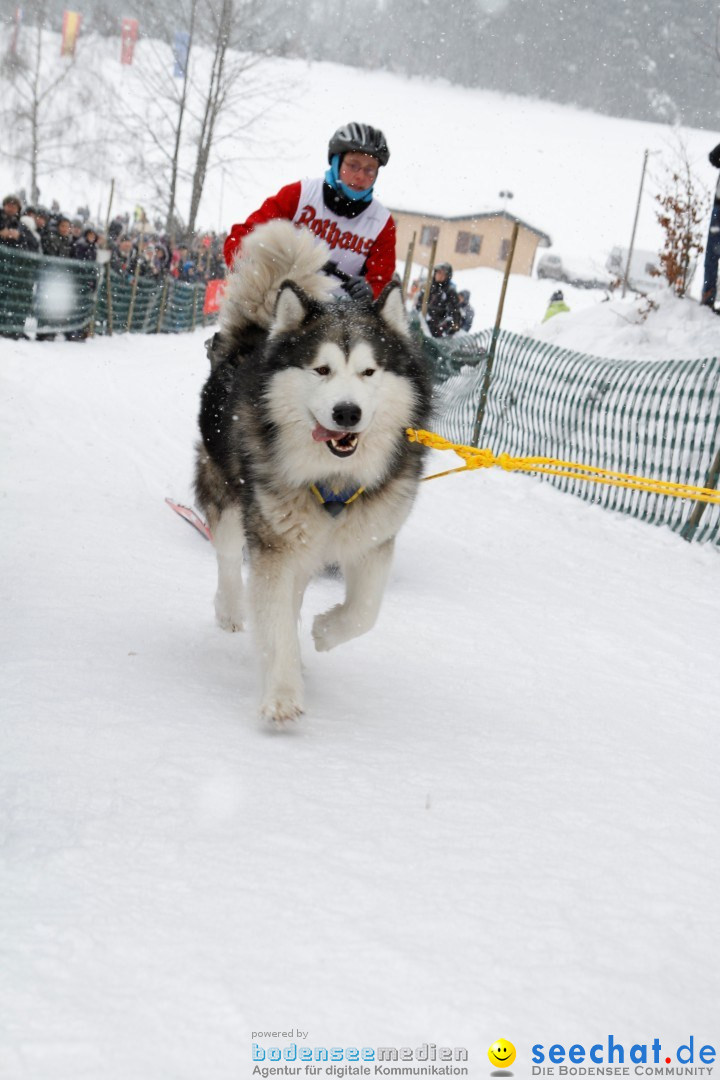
x: 335, y: 501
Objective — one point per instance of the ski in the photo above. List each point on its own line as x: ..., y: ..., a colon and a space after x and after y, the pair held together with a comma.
x: 191, y: 517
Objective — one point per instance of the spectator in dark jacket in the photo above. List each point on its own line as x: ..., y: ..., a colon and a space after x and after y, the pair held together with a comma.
x: 123, y: 259
x: 116, y: 229
x: 76, y: 228
x: 149, y: 262
x: 712, y: 248
x: 467, y: 313
x: 86, y: 247
x: 443, y: 309
x: 13, y: 233
x: 60, y: 241
x: 42, y: 221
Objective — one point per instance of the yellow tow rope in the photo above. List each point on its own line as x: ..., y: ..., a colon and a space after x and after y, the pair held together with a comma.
x: 483, y: 459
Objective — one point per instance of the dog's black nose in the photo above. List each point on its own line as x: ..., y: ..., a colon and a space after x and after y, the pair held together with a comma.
x: 346, y: 414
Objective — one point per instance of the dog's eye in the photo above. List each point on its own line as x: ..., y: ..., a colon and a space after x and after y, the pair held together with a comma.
x: 369, y: 371
x: 324, y: 370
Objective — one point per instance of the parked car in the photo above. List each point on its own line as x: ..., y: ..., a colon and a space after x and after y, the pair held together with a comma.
x: 551, y: 266
x: 641, y: 277
x: 582, y: 273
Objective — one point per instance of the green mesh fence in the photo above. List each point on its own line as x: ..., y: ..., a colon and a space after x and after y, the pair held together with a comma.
x: 660, y: 420
x: 43, y: 295
x: 648, y: 418
x: 39, y: 293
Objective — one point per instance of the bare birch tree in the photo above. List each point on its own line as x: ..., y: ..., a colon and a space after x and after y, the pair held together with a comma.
x: 182, y: 104
x: 151, y: 111
x: 215, y: 96
x: 230, y: 88
x: 36, y: 115
x: 172, y: 129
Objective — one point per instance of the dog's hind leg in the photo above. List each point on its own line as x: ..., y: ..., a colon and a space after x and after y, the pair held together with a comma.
x: 365, y: 582
x: 228, y: 539
x: 276, y: 587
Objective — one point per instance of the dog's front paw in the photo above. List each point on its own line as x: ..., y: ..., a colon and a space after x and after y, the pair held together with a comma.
x: 327, y: 629
x: 281, y: 707
x: 228, y: 618
x: 233, y: 624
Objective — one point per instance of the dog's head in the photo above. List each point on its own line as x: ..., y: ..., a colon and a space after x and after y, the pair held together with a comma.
x: 345, y: 381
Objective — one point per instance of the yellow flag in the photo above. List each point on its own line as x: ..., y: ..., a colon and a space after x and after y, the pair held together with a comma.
x: 70, y: 30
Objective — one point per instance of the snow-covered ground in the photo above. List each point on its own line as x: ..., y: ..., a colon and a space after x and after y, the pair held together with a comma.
x: 499, y: 817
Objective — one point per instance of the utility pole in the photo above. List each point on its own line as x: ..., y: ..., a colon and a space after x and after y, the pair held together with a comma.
x: 493, y: 343
x: 634, y: 228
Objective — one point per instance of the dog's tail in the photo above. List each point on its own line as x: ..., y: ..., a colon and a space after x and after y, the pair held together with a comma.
x: 272, y: 253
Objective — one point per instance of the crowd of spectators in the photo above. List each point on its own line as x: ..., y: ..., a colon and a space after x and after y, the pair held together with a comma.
x: 130, y: 245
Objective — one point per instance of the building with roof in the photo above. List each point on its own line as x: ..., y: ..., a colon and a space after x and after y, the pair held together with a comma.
x: 468, y: 240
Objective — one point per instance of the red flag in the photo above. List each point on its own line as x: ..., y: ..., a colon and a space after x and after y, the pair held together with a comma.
x: 16, y: 31
x: 213, y: 295
x: 129, y: 37
x: 70, y: 30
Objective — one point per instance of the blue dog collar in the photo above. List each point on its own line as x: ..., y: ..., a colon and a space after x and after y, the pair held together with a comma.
x: 335, y: 501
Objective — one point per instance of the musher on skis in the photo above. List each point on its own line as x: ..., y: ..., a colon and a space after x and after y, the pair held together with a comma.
x: 339, y: 208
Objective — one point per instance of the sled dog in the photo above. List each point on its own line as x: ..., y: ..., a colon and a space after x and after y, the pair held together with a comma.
x: 304, y: 456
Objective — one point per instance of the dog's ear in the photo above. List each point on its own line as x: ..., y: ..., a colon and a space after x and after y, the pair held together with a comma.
x: 390, y: 307
x: 291, y: 308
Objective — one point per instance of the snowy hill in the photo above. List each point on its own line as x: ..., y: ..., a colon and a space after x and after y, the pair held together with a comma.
x: 574, y: 174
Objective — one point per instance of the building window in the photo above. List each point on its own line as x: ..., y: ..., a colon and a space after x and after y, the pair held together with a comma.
x: 429, y: 233
x: 468, y: 243
x: 504, y: 250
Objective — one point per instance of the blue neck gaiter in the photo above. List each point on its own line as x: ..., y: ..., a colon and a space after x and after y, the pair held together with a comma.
x: 332, y: 177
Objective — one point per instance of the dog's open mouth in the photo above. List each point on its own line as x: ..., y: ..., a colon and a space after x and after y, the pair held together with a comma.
x: 340, y: 443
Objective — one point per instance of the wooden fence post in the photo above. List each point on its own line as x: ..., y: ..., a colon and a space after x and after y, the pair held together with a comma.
x: 163, y: 298
x: 408, y: 267
x: 108, y: 290
x: 96, y: 298
x: 133, y: 294
x: 496, y: 331
x: 431, y: 267
x: 194, y: 309
x: 690, y: 527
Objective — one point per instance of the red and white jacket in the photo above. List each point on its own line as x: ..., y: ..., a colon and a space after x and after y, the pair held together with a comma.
x: 368, y: 239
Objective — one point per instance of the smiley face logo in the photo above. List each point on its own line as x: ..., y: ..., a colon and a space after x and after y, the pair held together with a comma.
x: 501, y: 1054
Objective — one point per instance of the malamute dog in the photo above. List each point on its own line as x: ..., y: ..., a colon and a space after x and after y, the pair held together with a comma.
x: 304, y: 456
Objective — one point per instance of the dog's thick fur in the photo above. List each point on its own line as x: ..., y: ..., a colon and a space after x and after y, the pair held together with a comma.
x: 308, y: 394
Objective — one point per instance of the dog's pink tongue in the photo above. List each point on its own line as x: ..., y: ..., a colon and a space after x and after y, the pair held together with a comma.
x: 321, y: 434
